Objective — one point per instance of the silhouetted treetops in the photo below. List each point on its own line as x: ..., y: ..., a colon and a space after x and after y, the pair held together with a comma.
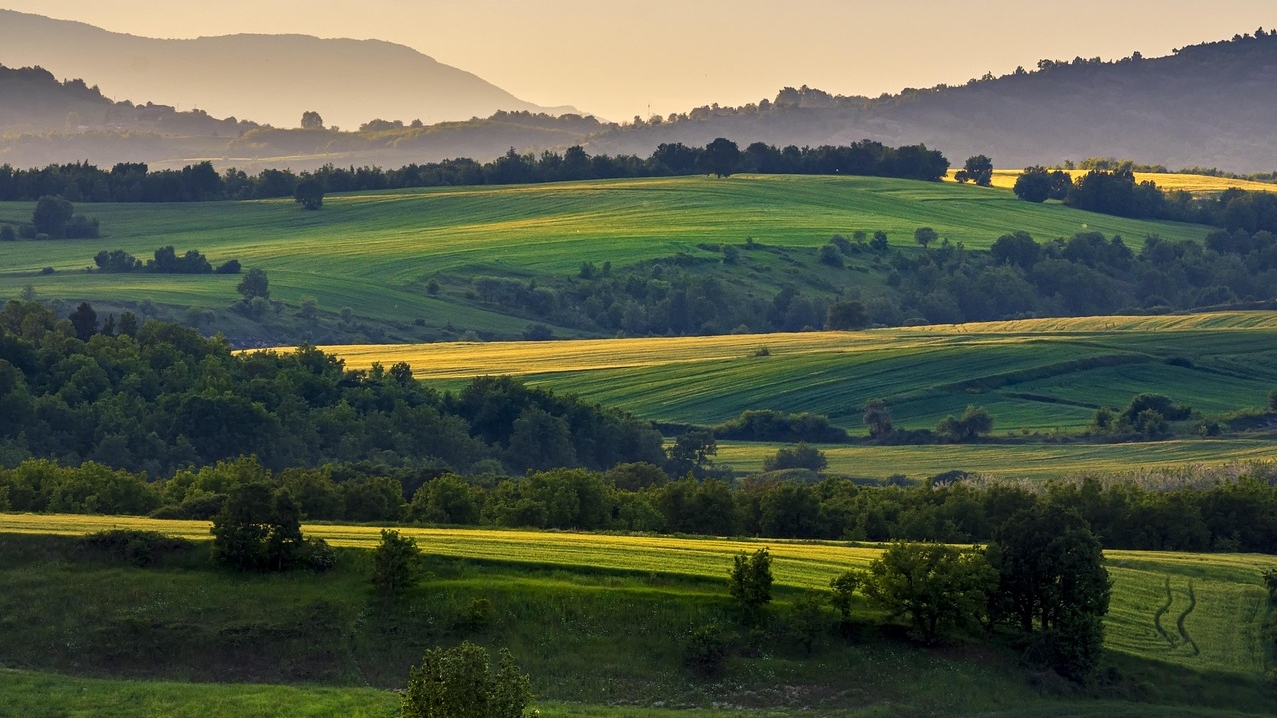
x: 135, y: 182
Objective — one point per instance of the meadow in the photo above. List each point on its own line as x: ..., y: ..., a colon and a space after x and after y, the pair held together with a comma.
x: 374, y: 252
x: 1038, y: 375
x: 566, y: 605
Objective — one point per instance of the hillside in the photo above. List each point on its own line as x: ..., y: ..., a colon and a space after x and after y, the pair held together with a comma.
x: 1208, y: 105
x: 433, y: 264
x: 266, y: 78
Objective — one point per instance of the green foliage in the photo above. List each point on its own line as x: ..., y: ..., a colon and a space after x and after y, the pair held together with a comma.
x: 846, y: 316
x: 257, y: 530
x: 749, y: 582
x: 254, y: 285
x: 806, y: 619
x: 934, y: 585
x: 801, y: 456
x: 137, y: 547
x: 460, y: 683
x: 476, y: 616
x: 843, y: 588
x: 924, y: 236
x: 396, y: 563
x: 877, y: 416
x: 706, y: 651
x: 974, y: 423
x: 309, y: 193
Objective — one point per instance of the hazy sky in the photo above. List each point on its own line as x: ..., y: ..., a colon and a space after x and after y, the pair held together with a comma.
x: 618, y: 58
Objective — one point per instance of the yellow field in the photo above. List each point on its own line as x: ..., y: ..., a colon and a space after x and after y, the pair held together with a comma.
x: 463, y: 360
x: 1005, y: 179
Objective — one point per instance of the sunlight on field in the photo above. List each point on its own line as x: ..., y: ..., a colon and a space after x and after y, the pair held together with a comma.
x: 1223, y: 623
x: 1005, y: 179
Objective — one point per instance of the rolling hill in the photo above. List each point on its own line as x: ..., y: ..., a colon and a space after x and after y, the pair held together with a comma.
x: 266, y: 78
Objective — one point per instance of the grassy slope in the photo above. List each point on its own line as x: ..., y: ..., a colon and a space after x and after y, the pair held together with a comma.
x: 1031, y: 374
x: 1224, y: 622
x: 371, y: 251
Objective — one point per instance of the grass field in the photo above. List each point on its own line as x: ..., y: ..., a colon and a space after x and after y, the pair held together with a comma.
x: 1223, y: 621
x: 1197, y: 184
x: 1036, y: 375
x: 372, y: 252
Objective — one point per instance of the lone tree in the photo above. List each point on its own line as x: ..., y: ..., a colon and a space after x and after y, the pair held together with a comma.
x: 312, y: 121
x: 750, y: 582
x: 801, y: 456
x: 925, y: 236
x: 459, y: 683
x: 257, y: 530
x: 1037, y: 184
x: 1053, y: 582
x: 254, y: 285
x: 974, y: 423
x: 85, y: 321
x: 52, y: 215
x: 978, y: 169
x: 309, y: 193
x: 845, y: 316
x: 395, y: 563
x: 877, y: 417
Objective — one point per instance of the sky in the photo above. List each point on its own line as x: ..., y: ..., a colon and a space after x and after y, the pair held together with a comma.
x: 618, y: 59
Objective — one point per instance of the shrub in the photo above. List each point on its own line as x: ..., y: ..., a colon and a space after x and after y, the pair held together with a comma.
x: 707, y: 650
x: 395, y: 563
x: 476, y: 616
x: 750, y: 582
x: 140, y: 548
x: 802, y: 456
x: 459, y: 683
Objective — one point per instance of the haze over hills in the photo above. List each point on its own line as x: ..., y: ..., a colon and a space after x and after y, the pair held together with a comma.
x: 1208, y: 105
x: 266, y: 78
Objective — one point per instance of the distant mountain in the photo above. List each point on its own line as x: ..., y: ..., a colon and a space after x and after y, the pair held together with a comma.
x: 268, y: 78
x: 1207, y: 105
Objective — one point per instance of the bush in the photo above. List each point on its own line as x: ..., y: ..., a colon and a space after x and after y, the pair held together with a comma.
x: 316, y: 554
x: 459, y: 683
x: 395, y: 563
x: 139, y: 548
x: 707, y: 650
x: 750, y: 582
x: 476, y: 616
x: 802, y: 456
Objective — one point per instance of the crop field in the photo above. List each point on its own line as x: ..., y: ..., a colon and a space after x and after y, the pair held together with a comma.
x: 1032, y: 375
x: 372, y: 252
x: 1209, y: 620
x: 1196, y: 184
x: 1034, y: 461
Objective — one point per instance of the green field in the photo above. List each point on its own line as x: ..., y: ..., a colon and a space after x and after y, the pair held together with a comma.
x: 1223, y: 622
x: 372, y: 252
x: 1032, y: 375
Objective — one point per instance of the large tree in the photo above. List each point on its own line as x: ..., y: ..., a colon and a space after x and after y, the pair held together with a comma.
x: 932, y: 584
x: 978, y: 169
x: 720, y: 157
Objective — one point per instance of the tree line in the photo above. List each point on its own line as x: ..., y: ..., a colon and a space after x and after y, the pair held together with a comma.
x: 1228, y: 514
x: 135, y: 182
x: 1118, y: 193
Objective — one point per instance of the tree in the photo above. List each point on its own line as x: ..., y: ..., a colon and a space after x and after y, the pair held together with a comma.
x: 846, y: 316
x: 1036, y: 184
x: 877, y: 417
x: 52, y: 215
x: 807, y: 619
x: 459, y: 683
x: 720, y: 157
x: 974, y: 423
x: 802, y: 456
x: 395, y: 563
x: 312, y: 121
x: 925, y: 236
x: 879, y: 241
x: 309, y: 193
x: 934, y: 585
x: 257, y: 530
x: 254, y: 285
x: 978, y: 169
x: 85, y: 321
x: 7, y: 234
x: 690, y: 453
x: 749, y: 582
x: 844, y: 587
x: 1052, y: 579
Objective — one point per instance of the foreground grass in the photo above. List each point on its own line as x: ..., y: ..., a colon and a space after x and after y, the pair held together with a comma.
x: 1032, y: 375
x: 1224, y: 624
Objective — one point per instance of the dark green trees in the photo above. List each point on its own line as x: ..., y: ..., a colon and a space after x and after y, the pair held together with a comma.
x: 1053, y: 583
x: 720, y: 157
x: 974, y: 423
x: 459, y: 683
x: 846, y: 316
x: 257, y: 530
x: 1036, y: 184
x: 931, y: 584
x: 978, y: 169
x: 55, y: 218
x: 312, y: 120
x: 750, y: 582
x: 254, y: 285
x: 878, y: 418
x: 309, y: 193
x: 396, y: 563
